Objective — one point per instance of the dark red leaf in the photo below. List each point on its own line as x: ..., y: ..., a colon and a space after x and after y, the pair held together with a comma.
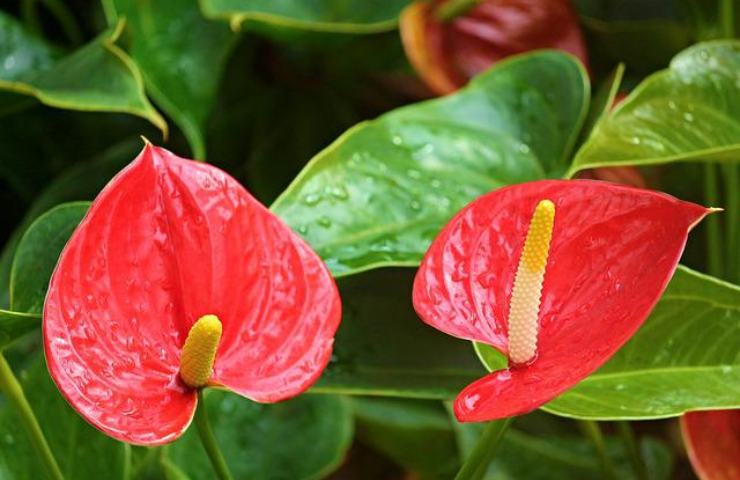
x: 447, y: 54
x: 713, y: 442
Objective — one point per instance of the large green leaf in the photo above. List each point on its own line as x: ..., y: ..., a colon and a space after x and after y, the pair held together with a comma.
x: 567, y: 457
x: 382, y: 348
x: 343, y: 16
x: 81, y: 451
x: 37, y: 254
x: 381, y: 192
x: 691, y: 111
x: 416, y: 434
x: 181, y: 55
x: 97, y: 77
x: 303, y: 438
x: 684, y: 357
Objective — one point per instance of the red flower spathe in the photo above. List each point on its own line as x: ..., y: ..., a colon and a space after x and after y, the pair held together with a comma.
x: 712, y: 440
x: 612, y: 253
x: 167, y: 241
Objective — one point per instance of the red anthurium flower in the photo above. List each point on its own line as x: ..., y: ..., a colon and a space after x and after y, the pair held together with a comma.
x: 446, y: 54
x: 174, y: 250
x: 713, y: 442
x: 557, y: 275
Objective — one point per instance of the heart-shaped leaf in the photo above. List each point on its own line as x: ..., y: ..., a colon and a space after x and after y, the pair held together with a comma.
x: 346, y: 16
x: 303, y: 438
x: 381, y: 192
x: 98, y: 77
x: 181, y: 56
x: 82, y: 452
x: 687, y: 112
x: 684, y: 358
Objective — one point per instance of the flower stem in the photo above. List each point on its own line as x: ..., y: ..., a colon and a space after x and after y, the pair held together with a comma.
x: 14, y: 392
x: 452, y: 9
x: 714, y: 240
x: 592, y: 431
x: 208, y: 439
x: 628, y: 437
x: 476, y: 464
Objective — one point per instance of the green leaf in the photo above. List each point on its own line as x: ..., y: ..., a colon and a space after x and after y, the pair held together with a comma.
x: 415, y: 434
x: 341, y: 16
x: 16, y: 324
x: 37, y: 255
x: 380, y: 193
x: 22, y: 52
x: 97, y: 77
x: 553, y: 457
x: 82, y: 451
x: 687, y: 112
x: 683, y: 358
x: 34, y: 261
x: 181, y: 56
x: 382, y: 348
x: 303, y: 438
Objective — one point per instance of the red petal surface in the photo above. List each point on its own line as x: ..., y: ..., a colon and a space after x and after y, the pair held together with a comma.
x: 167, y: 241
x: 447, y: 54
x: 613, y: 250
x: 713, y: 442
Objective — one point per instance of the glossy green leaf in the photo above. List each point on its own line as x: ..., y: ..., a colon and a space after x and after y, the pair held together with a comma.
x: 97, y: 77
x: 684, y: 357
x: 181, y: 56
x: 415, y: 434
x: 342, y: 16
x: 37, y: 254
x: 81, y: 451
x: 566, y: 457
x: 688, y: 112
x: 22, y: 52
x: 382, y: 348
x: 303, y: 438
x: 16, y: 324
x: 380, y: 193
